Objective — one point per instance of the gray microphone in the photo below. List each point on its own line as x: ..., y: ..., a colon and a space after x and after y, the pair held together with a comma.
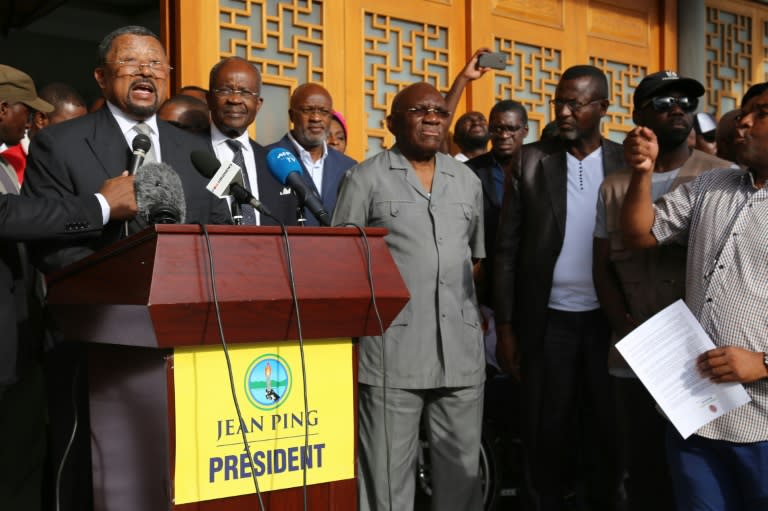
x: 140, y: 146
x: 159, y: 195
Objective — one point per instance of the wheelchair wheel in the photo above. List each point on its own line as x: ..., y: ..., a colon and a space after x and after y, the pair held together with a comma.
x: 489, y: 475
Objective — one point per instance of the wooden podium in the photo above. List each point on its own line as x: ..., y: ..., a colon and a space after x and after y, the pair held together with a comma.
x: 133, y: 302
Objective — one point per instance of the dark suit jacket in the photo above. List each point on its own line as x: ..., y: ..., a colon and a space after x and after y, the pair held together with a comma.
x: 336, y: 164
x: 27, y: 219
x: 530, y: 236
x: 75, y: 157
x: 483, y: 166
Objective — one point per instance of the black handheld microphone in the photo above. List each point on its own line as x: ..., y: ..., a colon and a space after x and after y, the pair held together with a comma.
x: 226, y: 179
x: 140, y: 146
x: 286, y: 169
x: 159, y: 195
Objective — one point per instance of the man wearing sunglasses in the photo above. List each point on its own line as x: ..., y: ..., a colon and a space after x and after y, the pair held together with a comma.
x: 634, y: 285
x: 721, y: 217
x: 550, y: 330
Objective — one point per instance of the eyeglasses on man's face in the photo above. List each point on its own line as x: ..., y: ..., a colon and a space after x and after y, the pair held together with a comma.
x: 309, y: 111
x: 423, y: 111
x: 503, y: 129
x: 573, y: 105
x: 225, y: 92
x: 130, y: 67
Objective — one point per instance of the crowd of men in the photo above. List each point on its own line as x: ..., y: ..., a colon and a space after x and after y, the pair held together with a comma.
x: 568, y: 244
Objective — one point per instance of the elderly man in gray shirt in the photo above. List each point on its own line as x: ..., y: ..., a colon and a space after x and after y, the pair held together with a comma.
x: 430, y: 362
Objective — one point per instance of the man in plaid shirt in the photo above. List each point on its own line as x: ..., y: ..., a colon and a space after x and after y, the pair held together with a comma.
x: 723, y: 218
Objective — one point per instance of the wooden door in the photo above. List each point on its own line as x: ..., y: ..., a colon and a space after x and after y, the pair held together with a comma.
x: 542, y: 38
x: 364, y: 51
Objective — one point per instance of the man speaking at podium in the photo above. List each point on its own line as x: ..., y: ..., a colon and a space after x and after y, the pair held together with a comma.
x: 22, y: 417
x: 74, y: 158
x: 430, y: 361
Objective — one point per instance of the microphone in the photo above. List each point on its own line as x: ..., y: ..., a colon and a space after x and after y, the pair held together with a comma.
x: 286, y: 169
x: 140, y: 145
x: 159, y: 195
x: 226, y: 179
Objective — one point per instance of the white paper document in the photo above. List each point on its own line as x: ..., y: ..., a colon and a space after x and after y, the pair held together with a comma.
x: 662, y: 352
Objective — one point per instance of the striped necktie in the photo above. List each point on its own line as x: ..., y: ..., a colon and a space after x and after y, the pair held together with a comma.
x: 249, y: 215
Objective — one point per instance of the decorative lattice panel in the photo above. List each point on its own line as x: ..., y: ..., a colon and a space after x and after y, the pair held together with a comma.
x: 765, y: 52
x: 729, y: 59
x: 530, y: 78
x: 398, y: 53
x: 623, y: 78
x: 285, y: 39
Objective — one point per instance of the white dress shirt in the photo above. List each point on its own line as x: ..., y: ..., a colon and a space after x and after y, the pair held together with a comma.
x: 315, y: 168
x: 127, y: 124
x: 225, y: 154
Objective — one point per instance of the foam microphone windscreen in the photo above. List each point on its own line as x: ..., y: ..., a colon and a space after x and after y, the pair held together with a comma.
x: 159, y: 195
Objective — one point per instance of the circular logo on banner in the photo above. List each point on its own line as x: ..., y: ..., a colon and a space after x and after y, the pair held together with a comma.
x: 268, y: 382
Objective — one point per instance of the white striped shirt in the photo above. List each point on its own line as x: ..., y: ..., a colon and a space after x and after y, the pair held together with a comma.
x: 723, y: 219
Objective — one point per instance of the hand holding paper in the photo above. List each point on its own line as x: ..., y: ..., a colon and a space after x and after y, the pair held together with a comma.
x: 666, y: 352
x: 732, y: 363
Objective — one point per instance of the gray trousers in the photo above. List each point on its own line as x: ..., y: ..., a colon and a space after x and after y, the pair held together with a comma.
x: 453, y: 420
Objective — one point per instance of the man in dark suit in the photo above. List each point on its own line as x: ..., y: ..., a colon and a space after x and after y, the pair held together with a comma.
x: 310, y: 112
x: 508, y: 127
x: 73, y: 158
x: 549, y: 326
x: 234, y: 98
x: 22, y: 415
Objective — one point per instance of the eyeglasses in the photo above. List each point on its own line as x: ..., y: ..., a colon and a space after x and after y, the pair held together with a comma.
x: 225, y: 92
x: 131, y: 67
x: 665, y: 103
x: 573, y: 105
x: 309, y: 111
x: 501, y: 129
x: 423, y: 111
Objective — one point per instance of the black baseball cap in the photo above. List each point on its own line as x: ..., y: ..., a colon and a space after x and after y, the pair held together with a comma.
x: 655, y: 83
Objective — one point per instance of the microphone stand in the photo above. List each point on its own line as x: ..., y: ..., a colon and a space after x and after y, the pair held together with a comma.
x: 301, y: 220
x: 237, y: 214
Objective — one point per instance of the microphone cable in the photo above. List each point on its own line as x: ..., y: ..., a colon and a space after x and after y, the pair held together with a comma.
x: 295, y: 302
x: 219, y: 324
x: 295, y: 299
x: 371, y: 286
x: 60, y: 469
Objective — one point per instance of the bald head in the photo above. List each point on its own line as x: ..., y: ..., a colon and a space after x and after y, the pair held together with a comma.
x: 418, y: 119
x: 234, y: 96
x: 310, y: 112
x: 307, y: 90
x: 185, y: 112
x: 67, y: 104
x: 725, y: 133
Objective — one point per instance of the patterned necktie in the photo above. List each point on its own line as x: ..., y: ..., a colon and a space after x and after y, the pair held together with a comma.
x: 249, y: 215
x: 144, y: 129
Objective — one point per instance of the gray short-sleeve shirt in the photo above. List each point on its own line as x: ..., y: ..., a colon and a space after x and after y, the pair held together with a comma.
x: 436, y: 340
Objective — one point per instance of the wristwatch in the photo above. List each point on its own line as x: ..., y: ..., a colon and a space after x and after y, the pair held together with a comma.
x: 765, y: 359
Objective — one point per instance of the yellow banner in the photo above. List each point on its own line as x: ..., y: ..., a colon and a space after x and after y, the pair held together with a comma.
x: 211, y: 461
